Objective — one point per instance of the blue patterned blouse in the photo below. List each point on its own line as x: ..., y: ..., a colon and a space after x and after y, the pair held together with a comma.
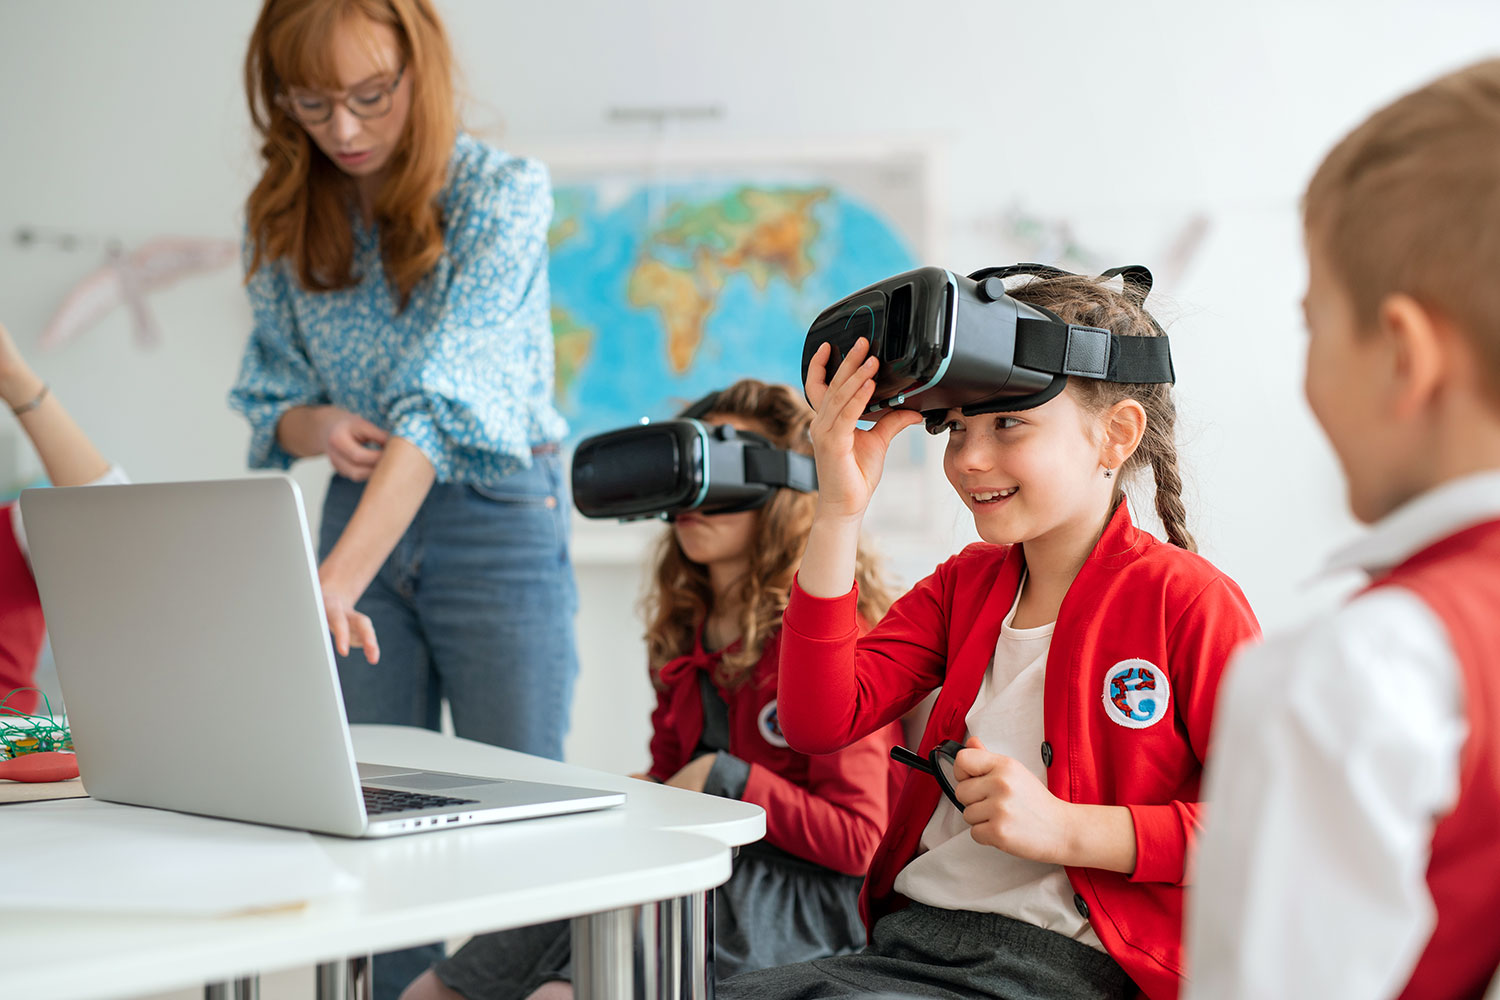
x: 465, y: 372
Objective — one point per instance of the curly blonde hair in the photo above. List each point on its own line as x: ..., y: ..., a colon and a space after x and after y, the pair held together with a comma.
x: 299, y: 209
x: 680, y: 598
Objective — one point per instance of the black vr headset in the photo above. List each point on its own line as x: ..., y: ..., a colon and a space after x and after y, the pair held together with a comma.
x: 947, y: 341
x: 679, y: 465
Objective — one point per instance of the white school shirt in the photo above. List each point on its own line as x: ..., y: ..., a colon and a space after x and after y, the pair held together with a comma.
x: 114, y: 476
x: 953, y: 870
x: 1335, y: 751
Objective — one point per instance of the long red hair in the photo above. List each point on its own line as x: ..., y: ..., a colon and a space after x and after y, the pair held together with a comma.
x: 300, y: 209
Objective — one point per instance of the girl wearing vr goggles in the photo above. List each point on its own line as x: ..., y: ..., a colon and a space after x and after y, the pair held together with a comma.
x: 714, y: 613
x: 1078, y: 658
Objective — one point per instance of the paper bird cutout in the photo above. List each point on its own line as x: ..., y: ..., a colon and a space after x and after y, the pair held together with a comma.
x: 128, y: 278
x: 1019, y: 235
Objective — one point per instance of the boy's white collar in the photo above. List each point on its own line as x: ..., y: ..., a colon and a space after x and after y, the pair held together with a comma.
x: 1416, y: 524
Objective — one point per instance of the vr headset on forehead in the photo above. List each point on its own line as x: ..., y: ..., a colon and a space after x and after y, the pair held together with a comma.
x: 668, y: 468
x: 946, y: 341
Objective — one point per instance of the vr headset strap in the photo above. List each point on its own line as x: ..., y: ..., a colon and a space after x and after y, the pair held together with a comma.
x: 1066, y: 349
x: 775, y: 467
x: 1135, y: 276
x: 700, y: 408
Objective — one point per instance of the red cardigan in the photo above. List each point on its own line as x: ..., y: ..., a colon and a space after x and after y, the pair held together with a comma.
x: 1141, y: 641
x: 21, y: 628
x: 829, y: 808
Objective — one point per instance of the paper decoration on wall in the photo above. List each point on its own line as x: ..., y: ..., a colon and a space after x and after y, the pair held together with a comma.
x: 127, y: 277
x: 1020, y: 236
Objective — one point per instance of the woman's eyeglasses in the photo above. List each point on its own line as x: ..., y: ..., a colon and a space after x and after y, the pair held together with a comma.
x: 366, y: 102
x: 939, y: 763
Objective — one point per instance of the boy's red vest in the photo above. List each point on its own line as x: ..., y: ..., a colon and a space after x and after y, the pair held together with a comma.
x: 1459, y: 579
x: 1144, y: 624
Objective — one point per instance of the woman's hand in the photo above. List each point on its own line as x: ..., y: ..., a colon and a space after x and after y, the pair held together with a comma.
x: 352, y: 444
x: 385, y: 510
x: 350, y: 628
x: 849, y: 460
x: 694, y: 775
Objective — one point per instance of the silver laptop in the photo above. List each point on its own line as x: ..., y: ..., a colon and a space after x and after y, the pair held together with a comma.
x: 198, y: 674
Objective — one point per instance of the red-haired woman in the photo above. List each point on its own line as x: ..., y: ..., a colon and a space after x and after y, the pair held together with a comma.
x: 397, y: 273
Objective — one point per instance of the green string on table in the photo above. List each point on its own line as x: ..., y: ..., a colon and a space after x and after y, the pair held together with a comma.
x: 21, y: 733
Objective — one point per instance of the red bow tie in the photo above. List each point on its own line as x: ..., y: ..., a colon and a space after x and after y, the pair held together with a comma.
x: 677, y: 669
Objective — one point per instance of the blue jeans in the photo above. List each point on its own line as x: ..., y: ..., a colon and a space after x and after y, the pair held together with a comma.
x: 475, y: 604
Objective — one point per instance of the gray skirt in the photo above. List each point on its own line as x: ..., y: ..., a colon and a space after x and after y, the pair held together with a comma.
x: 923, y: 951
x: 774, y: 910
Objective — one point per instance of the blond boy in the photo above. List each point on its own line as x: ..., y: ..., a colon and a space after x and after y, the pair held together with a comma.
x: 1353, y: 841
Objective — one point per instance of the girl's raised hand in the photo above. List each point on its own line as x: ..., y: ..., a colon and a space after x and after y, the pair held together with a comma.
x: 18, y: 383
x: 849, y: 460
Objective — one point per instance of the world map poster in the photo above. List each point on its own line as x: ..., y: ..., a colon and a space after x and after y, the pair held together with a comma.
x: 670, y: 281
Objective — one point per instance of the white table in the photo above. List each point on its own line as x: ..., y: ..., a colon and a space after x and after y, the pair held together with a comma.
x: 653, y: 806
x: 637, y: 881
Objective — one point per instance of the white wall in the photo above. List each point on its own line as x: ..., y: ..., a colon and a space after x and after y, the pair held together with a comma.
x: 126, y: 119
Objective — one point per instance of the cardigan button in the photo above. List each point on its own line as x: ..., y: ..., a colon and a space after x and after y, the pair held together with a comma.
x: 1046, y: 754
x: 1081, y: 905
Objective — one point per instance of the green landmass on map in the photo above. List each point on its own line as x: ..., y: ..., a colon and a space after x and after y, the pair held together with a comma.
x: 762, y: 233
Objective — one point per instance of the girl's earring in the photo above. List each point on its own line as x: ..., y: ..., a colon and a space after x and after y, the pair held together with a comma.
x: 1109, y: 473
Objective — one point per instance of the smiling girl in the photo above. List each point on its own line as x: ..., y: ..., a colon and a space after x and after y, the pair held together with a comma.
x: 1078, y: 659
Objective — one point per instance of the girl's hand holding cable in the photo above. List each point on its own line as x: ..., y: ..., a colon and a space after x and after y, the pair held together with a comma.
x: 1009, y: 808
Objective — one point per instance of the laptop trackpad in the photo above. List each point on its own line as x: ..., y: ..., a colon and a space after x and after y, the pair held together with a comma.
x: 427, y: 781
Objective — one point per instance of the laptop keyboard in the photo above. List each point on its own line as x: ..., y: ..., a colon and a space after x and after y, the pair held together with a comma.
x: 379, y: 801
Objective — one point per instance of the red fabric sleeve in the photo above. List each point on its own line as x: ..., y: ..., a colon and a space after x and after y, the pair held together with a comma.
x: 22, y: 630
x: 666, y: 754
x: 839, y: 818
x: 1163, y: 837
x: 1199, y: 646
x: 836, y: 687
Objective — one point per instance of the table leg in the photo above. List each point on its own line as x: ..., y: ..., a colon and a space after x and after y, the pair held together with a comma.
x: 656, y: 951
x: 346, y: 980
x: 246, y: 988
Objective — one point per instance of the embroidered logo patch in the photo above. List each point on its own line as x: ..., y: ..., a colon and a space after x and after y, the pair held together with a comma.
x: 770, y: 728
x: 1137, y: 693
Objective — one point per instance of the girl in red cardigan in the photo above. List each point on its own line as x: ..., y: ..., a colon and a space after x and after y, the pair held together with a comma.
x: 70, y: 459
x: 1078, y: 659
x: 714, y: 613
